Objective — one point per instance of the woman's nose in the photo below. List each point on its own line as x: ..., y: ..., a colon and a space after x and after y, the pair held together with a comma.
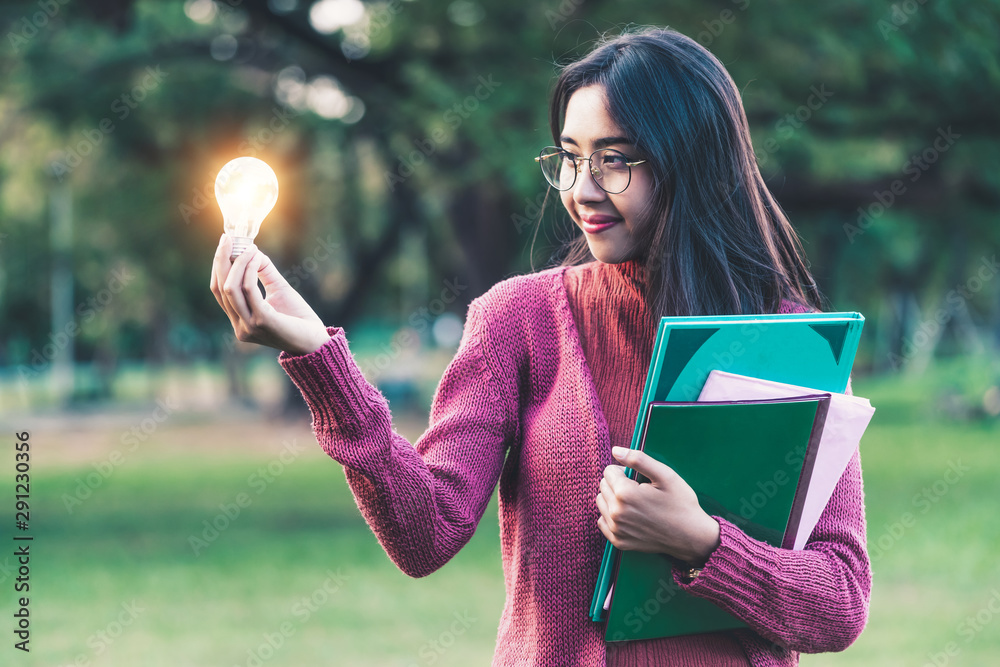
x: 586, y: 188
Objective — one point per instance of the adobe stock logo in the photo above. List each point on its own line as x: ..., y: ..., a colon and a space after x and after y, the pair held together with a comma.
x: 72, y: 156
x: 26, y: 28
x: 786, y: 126
x: 457, y: 114
x: 915, y: 167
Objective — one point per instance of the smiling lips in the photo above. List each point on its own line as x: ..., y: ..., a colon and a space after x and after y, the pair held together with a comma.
x: 595, y: 224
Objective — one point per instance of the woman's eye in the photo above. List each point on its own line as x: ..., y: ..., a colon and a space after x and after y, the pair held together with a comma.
x: 614, y: 161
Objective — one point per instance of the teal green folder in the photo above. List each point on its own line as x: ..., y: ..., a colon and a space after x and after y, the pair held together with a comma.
x: 750, y: 463
x: 806, y: 349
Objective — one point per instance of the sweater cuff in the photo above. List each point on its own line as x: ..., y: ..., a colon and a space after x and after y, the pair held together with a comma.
x: 738, y: 567
x: 336, y: 391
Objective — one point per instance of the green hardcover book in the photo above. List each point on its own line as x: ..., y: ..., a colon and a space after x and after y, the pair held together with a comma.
x: 805, y: 349
x: 750, y: 463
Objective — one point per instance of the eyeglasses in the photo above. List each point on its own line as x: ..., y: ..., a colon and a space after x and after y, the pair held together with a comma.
x: 612, y: 171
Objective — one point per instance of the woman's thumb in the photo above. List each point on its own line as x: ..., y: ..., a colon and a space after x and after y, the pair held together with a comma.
x: 642, y: 463
x: 269, y: 275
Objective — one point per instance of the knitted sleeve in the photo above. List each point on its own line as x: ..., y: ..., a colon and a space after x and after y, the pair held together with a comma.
x: 812, y: 600
x: 422, y: 501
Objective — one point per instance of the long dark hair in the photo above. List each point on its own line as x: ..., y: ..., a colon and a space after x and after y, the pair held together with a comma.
x: 718, y: 242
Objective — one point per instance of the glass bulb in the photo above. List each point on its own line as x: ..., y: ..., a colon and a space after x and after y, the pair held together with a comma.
x: 246, y: 190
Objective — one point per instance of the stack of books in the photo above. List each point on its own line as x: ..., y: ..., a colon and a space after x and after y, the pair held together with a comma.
x: 750, y: 412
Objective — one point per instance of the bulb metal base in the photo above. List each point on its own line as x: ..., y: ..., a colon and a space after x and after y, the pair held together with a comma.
x: 240, y: 244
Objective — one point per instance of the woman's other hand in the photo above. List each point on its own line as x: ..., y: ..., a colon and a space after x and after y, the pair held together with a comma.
x: 662, y: 516
x: 282, y: 320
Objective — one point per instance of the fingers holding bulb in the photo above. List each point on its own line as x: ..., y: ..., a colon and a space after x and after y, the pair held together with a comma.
x: 233, y: 291
x: 254, y: 299
x: 220, y: 272
x: 213, y: 283
x: 277, y: 317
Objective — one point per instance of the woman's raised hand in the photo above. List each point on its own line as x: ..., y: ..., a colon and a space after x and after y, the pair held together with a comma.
x: 282, y: 320
x: 662, y: 516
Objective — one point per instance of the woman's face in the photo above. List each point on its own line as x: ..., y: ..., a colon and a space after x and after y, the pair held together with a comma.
x: 610, y: 222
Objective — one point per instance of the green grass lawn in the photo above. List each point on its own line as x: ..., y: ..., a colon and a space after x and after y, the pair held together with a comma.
x: 298, y: 579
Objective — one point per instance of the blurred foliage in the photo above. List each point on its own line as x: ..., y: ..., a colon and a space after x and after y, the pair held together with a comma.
x: 135, y: 105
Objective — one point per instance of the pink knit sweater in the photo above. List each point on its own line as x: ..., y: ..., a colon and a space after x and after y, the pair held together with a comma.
x: 518, y: 405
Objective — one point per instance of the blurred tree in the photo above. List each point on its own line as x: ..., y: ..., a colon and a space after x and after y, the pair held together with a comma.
x: 872, y: 122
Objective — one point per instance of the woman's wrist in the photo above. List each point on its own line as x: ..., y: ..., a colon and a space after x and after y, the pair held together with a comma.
x: 309, y: 343
x: 709, y: 539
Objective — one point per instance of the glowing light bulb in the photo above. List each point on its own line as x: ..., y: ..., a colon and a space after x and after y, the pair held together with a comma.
x: 246, y: 189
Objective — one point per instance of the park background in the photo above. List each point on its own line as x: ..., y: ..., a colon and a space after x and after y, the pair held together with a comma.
x: 402, y: 134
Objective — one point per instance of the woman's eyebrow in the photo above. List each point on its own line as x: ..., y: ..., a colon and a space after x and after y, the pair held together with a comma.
x: 603, y: 142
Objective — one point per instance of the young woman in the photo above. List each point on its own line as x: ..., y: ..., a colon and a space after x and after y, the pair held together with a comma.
x: 654, y: 164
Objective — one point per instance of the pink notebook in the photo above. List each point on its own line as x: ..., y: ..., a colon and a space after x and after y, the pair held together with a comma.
x: 845, y: 424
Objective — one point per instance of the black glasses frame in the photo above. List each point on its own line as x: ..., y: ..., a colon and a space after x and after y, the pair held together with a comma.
x: 550, y: 152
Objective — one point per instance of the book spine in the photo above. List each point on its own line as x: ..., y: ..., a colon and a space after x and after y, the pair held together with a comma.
x: 805, y: 477
x: 604, y: 574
